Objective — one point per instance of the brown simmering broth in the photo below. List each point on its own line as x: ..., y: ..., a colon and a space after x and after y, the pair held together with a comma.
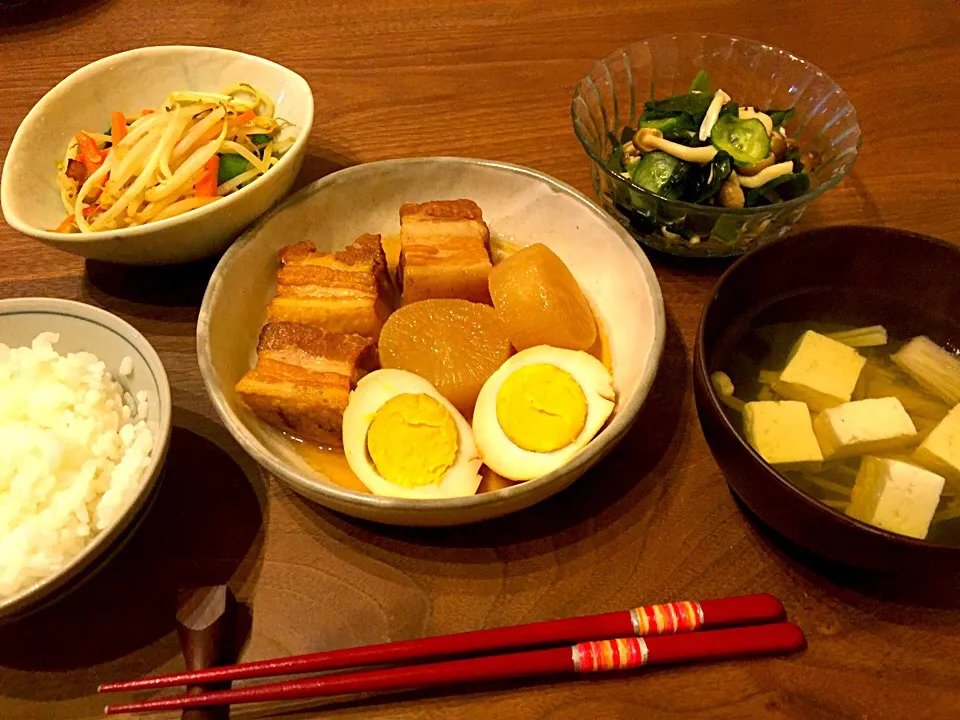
x: 331, y: 462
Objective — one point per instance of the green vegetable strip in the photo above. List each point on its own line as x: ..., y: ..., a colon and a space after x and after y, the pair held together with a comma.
x: 231, y: 165
x: 701, y: 82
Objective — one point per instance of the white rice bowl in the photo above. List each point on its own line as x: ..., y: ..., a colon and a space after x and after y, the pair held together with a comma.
x: 74, y: 448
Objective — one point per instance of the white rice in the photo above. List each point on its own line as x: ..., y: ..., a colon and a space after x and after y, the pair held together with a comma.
x: 73, y: 450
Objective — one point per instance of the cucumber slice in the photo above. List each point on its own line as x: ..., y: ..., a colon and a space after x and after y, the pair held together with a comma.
x: 746, y: 140
x: 657, y: 172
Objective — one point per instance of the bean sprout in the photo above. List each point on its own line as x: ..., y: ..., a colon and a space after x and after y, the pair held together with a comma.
x: 196, y: 149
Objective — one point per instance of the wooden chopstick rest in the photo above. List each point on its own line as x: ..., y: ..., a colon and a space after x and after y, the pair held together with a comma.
x: 206, y: 624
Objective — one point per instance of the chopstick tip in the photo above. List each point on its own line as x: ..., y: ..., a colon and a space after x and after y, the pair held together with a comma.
x: 774, y: 605
x: 800, y: 637
x: 788, y: 637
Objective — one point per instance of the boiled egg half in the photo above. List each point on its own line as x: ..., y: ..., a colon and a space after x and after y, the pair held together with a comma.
x: 539, y: 409
x: 403, y: 439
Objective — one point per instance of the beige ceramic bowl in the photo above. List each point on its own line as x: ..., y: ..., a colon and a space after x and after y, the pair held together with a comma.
x: 86, y: 328
x: 521, y: 205
x: 129, y: 82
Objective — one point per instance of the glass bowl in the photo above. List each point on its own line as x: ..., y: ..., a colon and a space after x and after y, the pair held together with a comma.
x: 612, y: 95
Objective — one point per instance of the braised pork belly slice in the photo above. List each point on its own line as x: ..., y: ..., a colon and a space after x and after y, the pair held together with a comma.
x: 303, y: 377
x: 345, y: 292
x: 444, y: 251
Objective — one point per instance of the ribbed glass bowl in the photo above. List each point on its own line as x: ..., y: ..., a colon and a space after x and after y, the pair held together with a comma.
x: 752, y: 73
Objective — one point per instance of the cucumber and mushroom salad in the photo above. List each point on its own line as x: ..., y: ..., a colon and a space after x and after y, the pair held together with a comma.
x: 702, y: 147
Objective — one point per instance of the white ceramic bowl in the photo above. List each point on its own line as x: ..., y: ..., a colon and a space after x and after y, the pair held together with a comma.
x: 130, y: 81
x: 517, y: 203
x: 86, y: 328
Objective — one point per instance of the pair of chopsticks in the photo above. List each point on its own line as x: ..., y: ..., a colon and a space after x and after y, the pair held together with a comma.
x: 744, y: 626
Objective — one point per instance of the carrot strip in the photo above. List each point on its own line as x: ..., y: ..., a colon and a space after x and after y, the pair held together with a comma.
x: 89, y: 155
x: 66, y: 225
x: 209, y: 135
x: 89, y: 148
x: 70, y: 220
x: 118, y: 126
x: 241, y: 119
x: 232, y: 122
x: 207, y: 184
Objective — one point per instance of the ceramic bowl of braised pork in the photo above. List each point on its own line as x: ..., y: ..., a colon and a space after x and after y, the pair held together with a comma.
x: 431, y: 341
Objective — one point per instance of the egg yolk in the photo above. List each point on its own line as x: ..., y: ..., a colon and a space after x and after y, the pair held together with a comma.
x: 541, y: 408
x: 412, y: 440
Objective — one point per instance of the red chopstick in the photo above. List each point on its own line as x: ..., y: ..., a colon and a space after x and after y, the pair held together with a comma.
x: 596, y: 656
x: 643, y: 621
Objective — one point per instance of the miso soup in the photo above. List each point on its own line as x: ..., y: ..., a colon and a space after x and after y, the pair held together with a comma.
x: 911, y: 484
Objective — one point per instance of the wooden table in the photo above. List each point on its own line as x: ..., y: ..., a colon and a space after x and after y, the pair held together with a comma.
x: 654, y: 522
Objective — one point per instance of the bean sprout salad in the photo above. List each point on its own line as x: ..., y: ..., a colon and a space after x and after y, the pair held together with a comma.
x: 162, y: 163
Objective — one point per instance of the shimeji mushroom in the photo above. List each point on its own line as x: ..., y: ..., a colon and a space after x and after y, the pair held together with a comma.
x: 778, y: 145
x: 766, y: 175
x: 650, y: 139
x: 720, y: 98
x: 731, y: 196
x: 757, y: 167
x: 811, y: 161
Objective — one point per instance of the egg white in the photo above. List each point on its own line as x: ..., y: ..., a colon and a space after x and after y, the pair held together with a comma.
x: 372, y: 391
x: 510, y: 460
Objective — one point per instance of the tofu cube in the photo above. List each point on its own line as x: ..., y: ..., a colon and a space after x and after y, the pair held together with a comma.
x: 876, y: 425
x: 782, y: 432
x: 820, y: 372
x: 895, y: 495
x: 940, y: 451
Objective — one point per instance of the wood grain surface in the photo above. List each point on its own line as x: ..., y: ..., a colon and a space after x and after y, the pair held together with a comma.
x: 654, y: 522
